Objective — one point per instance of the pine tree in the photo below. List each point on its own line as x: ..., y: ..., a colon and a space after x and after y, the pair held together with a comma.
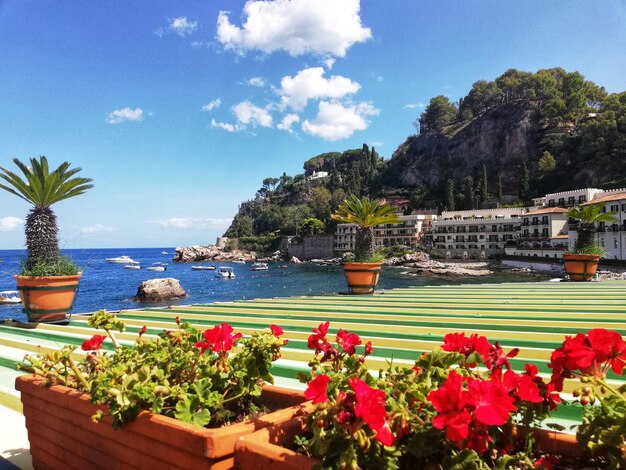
x: 484, y: 188
x: 450, y: 195
x: 500, y: 191
x: 469, y: 193
x: 524, y: 183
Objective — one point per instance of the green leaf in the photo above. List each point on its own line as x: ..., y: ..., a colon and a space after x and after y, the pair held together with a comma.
x: 186, y: 411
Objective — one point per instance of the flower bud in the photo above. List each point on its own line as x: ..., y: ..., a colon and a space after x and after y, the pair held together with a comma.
x: 576, y: 393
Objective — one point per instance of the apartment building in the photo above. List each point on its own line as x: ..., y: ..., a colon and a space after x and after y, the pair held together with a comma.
x: 476, y: 233
x: 409, y: 232
x: 567, y: 199
x: 612, y: 237
x: 544, y: 233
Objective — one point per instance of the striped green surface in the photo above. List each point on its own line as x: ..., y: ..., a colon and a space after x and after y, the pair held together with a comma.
x: 401, y: 323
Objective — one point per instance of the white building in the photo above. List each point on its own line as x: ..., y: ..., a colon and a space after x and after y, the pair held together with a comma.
x: 543, y: 234
x: 476, y: 233
x: 318, y: 175
x: 409, y: 232
x: 567, y: 199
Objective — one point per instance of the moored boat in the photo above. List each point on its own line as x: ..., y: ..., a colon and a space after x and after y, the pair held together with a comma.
x: 10, y: 297
x: 225, y: 272
x: 132, y: 266
x: 259, y: 267
x: 203, y: 268
x: 156, y: 268
x: 122, y: 260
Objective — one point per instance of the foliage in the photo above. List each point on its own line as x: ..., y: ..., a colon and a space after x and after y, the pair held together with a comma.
x: 439, y: 113
x: 395, y: 251
x: 449, y: 204
x: 312, y: 226
x: 524, y: 183
x: 392, y: 420
x: 366, y: 214
x: 588, y: 216
x: 42, y: 188
x: 262, y: 244
x: 589, y: 358
x: 204, y: 378
x: 64, y: 266
x: 468, y: 193
x: 547, y: 163
x: 483, y: 186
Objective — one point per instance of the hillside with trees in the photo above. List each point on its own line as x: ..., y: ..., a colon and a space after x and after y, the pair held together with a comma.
x: 508, y: 140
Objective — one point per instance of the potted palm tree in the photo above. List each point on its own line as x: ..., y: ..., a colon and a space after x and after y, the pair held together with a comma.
x: 362, y: 270
x: 582, y: 263
x: 48, y: 281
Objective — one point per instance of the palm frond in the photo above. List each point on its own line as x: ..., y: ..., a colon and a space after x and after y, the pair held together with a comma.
x: 365, y: 212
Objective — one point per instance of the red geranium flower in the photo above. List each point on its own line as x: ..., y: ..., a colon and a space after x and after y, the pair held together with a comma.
x: 368, y: 349
x: 450, y: 400
x: 370, y: 406
x: 143, y: 330
x: 319, y: 335
x: 491, y: 400
x: 348, y: 341
x: 458, y: 342
x: 276, y: 330
x: 316, y: 390
x: 94, y: 343
x: 219, y: 338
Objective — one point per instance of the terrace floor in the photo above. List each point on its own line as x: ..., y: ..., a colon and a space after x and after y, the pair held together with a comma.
x: 400, y: 323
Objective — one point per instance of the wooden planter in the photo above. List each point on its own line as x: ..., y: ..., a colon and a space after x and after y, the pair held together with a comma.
x: 62, y: 435
x: 263, y: 449
x: 581, y: 267
x: 47, y: 299
x: 362, y: 277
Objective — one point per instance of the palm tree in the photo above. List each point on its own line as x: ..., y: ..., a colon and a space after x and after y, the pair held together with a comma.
x: 366, y: 213
x: 588, y: 216
x: 43, y: 188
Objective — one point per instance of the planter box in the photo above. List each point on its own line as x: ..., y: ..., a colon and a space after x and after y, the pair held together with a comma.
x: 362, y: 278
x: 62, y: 435
x: 580, y: 267
x: 263, y: 449
x: 47, y: 299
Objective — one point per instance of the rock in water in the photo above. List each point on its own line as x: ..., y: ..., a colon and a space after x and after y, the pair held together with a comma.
x: 158, y: 290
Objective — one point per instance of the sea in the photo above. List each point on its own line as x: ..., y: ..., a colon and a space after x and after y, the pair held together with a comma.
x: 110, y: 286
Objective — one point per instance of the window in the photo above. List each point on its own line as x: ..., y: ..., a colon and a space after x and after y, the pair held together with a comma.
x: 571, y: 200
x: 551, y: 203
x: 615, y: 208
x: 544, y: 219
x: 561, y: 201
x: 623, y: 207
x: 582, y: 198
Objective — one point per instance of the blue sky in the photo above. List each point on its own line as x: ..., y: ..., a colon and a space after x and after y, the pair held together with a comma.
x: 178, y: 110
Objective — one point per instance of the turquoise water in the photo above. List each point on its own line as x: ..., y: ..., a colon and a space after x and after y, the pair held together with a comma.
x: 110, y: 286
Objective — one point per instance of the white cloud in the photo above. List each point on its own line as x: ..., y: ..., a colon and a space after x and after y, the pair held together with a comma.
x: 335, y: 121
x: 216, y: 103
x: 181, y: 26
x: 97, y: 228
x: 329, y: 62
x: 413, y: 105
x: 322, y: 27
x: 377, y: 77
x: 194, y: 223
x: 377, y: 144
x: 259, y: 82
x: 10, y: 223
x: 247, y: 113
x: 310, y: 84
x: 125, y: 114
x: 287, y: 122
x: 226, y: 126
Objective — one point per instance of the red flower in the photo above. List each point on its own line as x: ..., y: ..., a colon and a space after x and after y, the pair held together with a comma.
x: 220, y: 338
x: 450, y: 400
x: 348, y: 341
x: 370, y: 406
x: 368, y: 349
x: 94, y: 343
x: 178, y: 321
x: 316, y: 390
x: 143, y: 330
x: 491, y: 400
x: 523, y: 386
x: 458, y: 342
x: 276, y: 330
x: 496, y: 357
x: 319, y: 335
x: 609, y: 346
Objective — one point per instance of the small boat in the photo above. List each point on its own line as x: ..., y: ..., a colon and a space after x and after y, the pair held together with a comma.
x: 203, y: 268
x: 132, y: 266
x: 158, y: 263
x: 283, y: 266
x: 10, y: 297
x: 239, y: 261
x: 225, y: 272
x: 259, y: 267
x: 164, y: 253
x: 122, y: 260
x: 156, y: 268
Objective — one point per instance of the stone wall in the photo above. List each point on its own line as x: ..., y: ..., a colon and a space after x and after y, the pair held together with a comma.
x: 313, y: 247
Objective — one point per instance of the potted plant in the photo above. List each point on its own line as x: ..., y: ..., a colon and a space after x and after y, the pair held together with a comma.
x: 178, y: 400
x: 48, y: 281
x: 460, y: 406
x: 362, y: 269
x: 582, y: 263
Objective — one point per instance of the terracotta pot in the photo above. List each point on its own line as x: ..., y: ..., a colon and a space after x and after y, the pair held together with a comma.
x: 362, y: 277
x: 47, y: 299
x: 262, y: 449
x: 62, y: 435
x: 581, y: 267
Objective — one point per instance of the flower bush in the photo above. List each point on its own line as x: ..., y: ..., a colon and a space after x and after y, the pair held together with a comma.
x: 460, y: 406
x: 206, y: 378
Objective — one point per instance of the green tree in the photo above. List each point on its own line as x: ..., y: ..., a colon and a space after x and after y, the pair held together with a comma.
x: 418, y: 197
x: 468, y: 192
x: 293, y: 217
x: 43, y: 188
x: 547, y: 162
x: 483, y: 188
x: 320, y: 201
x: 589, y: 216
x: 500, y: 190
x: 312, y: 226
x: 450, y: 195
x: 439, y: 113
x: 366, y: 214
x: 524, y: 183
x: 240, y: 227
